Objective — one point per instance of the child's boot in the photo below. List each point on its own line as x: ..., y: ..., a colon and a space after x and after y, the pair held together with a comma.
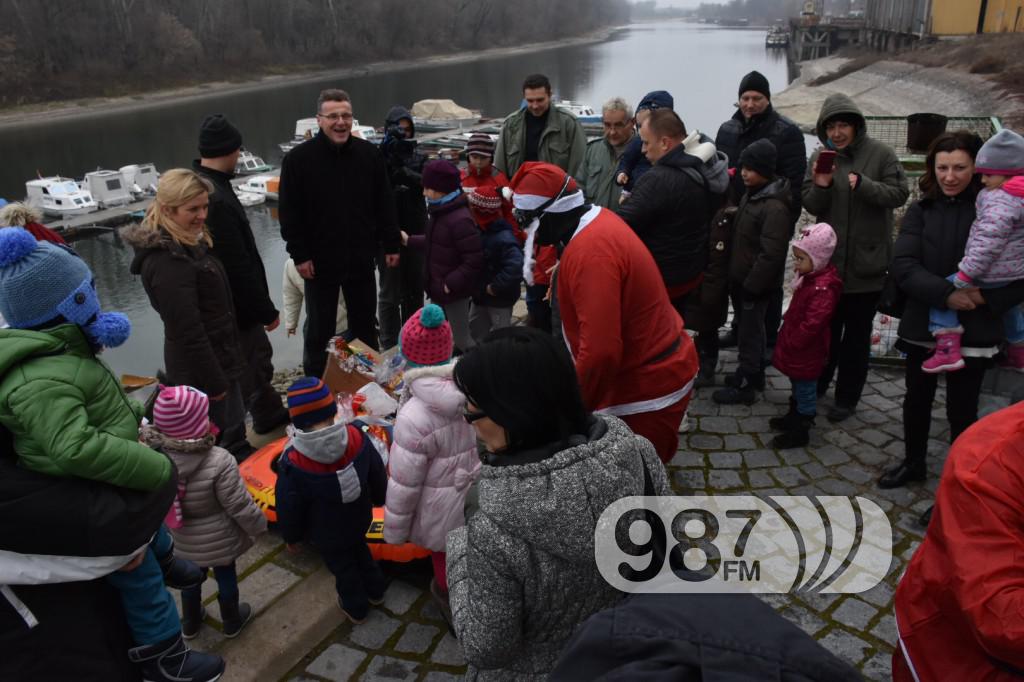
x: 946, y: 357
x: 180, y: 574
x: 797, y: 436
x: 172, y: 661
x: 786, y: 421
x: 192, y: 615
x: 234, y: 615
x: 1014, y: 357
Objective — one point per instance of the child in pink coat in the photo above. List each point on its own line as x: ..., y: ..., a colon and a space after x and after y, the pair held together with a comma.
x: 434, y: 458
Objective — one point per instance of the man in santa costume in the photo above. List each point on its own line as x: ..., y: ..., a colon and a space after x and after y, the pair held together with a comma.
x: 632, y: 356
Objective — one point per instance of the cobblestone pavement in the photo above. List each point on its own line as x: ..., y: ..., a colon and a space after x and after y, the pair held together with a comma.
x: 725, y: 451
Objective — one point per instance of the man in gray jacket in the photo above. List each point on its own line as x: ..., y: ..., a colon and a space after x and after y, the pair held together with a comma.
x: 596, y: 175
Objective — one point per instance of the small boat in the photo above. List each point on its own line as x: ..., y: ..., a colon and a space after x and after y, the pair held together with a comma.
x: 60, y: 197
x: 306, y: 128
x: 247, y: 199
x: 108, y: 188
x: 248, y: 163
x: 434, y: 115
x: 583, y: 112
x: 140, y: 179
x: 776, y: 37
x: 266, y: 186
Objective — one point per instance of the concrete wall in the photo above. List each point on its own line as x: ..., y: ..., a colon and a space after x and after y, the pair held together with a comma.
x: 1004, y: 16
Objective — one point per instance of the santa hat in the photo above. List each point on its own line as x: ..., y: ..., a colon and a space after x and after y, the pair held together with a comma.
x: 533, y: 185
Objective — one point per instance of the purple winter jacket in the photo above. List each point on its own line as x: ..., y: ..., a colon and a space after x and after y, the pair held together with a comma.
x: 453, y: 252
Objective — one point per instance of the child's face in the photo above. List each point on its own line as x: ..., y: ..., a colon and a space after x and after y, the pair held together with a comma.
x: 432, y: 194
x: 479, y: 162
x: 993, y: 181
x: 802, y: 263
x: 751, y: 178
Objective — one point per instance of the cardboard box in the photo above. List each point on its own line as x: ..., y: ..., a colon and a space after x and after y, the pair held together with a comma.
x: 343, y: 380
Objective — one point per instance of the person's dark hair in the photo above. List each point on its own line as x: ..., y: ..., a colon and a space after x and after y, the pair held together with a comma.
x: 948, y: 142
x: 537, y: 80
x: 666, y: 123
x: 331, y: 95
x: 525, y: 382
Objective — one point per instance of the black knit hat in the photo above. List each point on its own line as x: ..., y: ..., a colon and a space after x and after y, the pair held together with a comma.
x: 760, y: 157
x: 217, y: 137
x: 757, y: 82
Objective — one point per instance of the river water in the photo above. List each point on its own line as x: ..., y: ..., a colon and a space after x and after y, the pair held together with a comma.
x: 700, y: 65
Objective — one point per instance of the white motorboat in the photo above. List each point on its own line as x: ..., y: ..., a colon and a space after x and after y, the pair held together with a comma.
x: 140, y: 179
x: 584, y: 112
x: 266, y: 186
x: 57, y: 196
x: 248, y: 164
x: 306, y: 128
x: 249, y: 198
x: 108, y: 188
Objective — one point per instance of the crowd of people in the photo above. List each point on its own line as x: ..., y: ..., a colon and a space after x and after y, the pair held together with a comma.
x: 630, y: 250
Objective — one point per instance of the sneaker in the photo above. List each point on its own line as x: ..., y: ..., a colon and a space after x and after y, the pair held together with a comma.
x: 903, y: 473
x: 347, y: 614
x: 172, y: 661
x: 376, y: 602
x: 946, y: 357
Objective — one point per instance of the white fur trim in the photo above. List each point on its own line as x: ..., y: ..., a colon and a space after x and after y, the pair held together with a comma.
x: 26, y: 614
x: 528, y: 202
x: 652, y: 405
x: 39, y: 569
x: 528, y: 258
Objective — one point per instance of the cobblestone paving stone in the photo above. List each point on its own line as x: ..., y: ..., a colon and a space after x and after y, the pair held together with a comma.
x: 727, y: 449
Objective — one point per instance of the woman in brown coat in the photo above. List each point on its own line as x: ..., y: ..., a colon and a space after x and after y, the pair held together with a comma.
x: 187, y: 286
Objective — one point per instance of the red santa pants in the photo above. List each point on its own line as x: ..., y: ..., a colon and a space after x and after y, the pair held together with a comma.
x: 661, y: 427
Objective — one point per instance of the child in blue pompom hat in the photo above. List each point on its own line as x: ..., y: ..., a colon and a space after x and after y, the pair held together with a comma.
x: 69, y: 416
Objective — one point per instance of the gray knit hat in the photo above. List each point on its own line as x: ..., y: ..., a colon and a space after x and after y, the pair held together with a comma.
x: 1003, y: 154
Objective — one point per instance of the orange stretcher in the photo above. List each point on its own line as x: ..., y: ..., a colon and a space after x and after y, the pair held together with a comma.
x: 260, y: 479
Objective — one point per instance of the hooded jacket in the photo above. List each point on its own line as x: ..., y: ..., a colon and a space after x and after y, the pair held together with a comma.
x: 761, y: 234
x: 671, y: 210
x: 187, y: 286
x: 738, y: 133
x: 235, y: 247
x: 452, y: 251
x: 503, y: 266
x: 337, y: 208
x: 802, y: 349
x: 863, y: 217
x: 219, y: 517
x: 432, y: 462
x: 405, y: 172
x: 68, y: 414
x: 562, y: 141
x: 521, y: 572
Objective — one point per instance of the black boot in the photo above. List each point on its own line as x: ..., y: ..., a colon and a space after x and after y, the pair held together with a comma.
x: 786, y: 421
x: 905, y: 472
x: 172, y: 661
x: 742, y: 390
x: 926, y: 517
x: 706, y: 374
x: 180, y: 574
x: 234, y: 616
x: 797, y: 436
x: 756, y: 381
x: 192, y: 615
x: 728, y: 339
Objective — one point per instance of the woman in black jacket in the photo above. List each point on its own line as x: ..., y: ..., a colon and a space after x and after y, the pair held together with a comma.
x: 930, y: 245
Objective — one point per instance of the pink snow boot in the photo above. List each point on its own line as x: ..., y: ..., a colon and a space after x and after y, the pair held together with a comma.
x: 1014, y: 357
x: 947, y: 352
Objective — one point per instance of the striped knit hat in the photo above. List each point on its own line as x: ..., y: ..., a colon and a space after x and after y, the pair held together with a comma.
x: 310, y: 402
x: 181, y: 412
x: 484, y: 199
x: 480, y: 143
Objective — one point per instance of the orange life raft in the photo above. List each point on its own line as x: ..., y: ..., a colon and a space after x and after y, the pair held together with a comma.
x: 260, y: 479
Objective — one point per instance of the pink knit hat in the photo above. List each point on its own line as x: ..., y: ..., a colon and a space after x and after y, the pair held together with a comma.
x: 181, y: 412
x: 817, y: 241
x: 427, y: 337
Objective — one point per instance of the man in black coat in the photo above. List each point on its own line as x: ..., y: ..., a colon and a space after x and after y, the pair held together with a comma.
x: 235, y: 247
x: 337, y: 210
x: 755, y: 119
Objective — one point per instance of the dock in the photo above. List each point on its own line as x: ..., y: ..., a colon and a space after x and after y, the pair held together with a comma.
x: 104, y: 219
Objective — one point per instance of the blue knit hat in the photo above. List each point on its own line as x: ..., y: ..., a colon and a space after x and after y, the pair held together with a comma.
x: 40, y: 281
x: 310, y: 402
x: 656, y: 99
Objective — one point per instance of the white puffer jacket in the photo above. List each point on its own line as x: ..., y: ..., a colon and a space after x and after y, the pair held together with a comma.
x: 433, y: 461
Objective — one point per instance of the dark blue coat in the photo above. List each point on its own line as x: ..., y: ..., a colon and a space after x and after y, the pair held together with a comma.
x: 633, y: 163
x: 310, y: 505
x: 503, y: 266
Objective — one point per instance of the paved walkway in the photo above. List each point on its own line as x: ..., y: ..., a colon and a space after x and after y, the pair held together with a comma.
x: 299, y: 634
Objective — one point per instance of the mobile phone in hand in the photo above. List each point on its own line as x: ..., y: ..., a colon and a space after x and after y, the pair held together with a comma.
x: 826, y: 160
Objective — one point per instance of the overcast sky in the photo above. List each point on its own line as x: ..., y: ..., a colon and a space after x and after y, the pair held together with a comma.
x: 683, y: 3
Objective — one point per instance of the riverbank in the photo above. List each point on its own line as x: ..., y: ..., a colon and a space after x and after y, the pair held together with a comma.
x: 39, y: 114
x: 892, y: 87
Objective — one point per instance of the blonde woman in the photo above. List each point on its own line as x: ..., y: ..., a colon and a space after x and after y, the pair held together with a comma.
x: 187, y: 286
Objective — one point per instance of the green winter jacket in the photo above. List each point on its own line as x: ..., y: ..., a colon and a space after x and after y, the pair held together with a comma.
x: 562, y: 143
x: 862, y: 218
x: 596, y: 175
x: 68, y: 413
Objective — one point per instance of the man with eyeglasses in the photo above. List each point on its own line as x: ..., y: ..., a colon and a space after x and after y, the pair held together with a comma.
x: 596, y: 175
x: 336, y: 211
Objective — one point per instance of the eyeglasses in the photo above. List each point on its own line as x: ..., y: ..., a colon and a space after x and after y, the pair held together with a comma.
x: 471, y: 417
x: 335, y: 117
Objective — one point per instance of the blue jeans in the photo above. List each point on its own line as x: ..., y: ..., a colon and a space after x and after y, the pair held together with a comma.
x: 227, y: 585
x: 805, y: 393
x: 1013, y: 319
x: 148, y: 606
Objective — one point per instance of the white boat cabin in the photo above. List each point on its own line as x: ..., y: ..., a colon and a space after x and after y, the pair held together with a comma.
x: 108, y: 188
x: 140, y: 179
x: 264, y: 185
x: 248, y: 163
x: 57, y: 196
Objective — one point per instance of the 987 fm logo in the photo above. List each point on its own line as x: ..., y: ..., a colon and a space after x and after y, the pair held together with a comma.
x: 743, y: 543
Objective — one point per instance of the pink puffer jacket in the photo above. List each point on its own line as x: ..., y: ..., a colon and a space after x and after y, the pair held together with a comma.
x: 432, y: 463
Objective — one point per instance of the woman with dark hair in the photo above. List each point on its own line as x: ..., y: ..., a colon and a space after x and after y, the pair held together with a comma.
x: 521, y: 572
x: 929, y: 247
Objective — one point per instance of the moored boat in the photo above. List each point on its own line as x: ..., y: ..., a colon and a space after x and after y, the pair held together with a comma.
x: 58, y: 196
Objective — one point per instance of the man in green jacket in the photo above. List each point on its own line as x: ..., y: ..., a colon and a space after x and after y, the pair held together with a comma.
x: 539, y: 132
x: 596, y: 175
x: 856, y: 196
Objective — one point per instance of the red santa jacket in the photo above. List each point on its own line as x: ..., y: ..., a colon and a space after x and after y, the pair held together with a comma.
x: 802, y: 348
x: 625, y: 337
x: 960, y: 605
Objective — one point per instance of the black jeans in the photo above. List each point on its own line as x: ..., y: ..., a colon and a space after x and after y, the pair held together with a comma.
x: 322, y: 314
x: 357, y: 578
x: 751, y: 334
x: 401, y: 294
x: 772, y: 317
x: 261, y: 400
x: 850, y: 347
x: 962, y: 390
